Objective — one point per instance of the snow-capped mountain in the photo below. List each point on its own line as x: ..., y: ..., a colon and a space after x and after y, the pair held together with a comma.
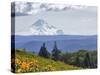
x: 41, y: 27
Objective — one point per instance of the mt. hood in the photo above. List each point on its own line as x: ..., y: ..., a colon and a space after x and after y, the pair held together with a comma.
x: 41, y: 27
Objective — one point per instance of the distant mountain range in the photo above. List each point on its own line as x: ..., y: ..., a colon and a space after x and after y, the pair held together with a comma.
x: 64, y: 42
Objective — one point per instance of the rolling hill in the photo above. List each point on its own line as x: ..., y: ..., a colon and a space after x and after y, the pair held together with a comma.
x: 28, y: 62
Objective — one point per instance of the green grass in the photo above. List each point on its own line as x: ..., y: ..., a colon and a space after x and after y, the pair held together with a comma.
x: 28, y: 62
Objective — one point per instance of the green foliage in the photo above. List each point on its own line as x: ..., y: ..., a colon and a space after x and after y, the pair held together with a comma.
x: 87, y: 60
x: 81, y: 58
x: 43, y: 52
x: 77, y: 61
x: 23, y: 61
x: 28, y: 62
x: 56, y: 53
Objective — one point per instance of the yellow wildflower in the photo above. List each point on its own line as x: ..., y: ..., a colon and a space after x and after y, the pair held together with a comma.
x: 24, y: 65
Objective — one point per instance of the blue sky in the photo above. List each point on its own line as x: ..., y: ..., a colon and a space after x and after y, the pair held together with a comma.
x: 72, y: 19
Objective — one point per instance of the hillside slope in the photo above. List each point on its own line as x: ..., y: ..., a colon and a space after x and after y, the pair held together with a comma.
x: 28, y: 62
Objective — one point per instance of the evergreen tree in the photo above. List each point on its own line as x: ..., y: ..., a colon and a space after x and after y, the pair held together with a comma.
x: 43, y: 52
x: 77, y: 61
x: 56, y: 53
x: 87, y: 61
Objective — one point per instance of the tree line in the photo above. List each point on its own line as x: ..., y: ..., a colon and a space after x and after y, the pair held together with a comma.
x: 82, y: 58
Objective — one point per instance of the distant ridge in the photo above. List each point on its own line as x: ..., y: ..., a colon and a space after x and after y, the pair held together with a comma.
x: 64, y: 42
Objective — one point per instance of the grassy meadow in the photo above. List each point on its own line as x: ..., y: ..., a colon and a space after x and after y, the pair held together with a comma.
x: 28, y: 62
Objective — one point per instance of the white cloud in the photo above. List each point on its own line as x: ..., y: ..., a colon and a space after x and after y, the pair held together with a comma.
x: 34, y: 8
